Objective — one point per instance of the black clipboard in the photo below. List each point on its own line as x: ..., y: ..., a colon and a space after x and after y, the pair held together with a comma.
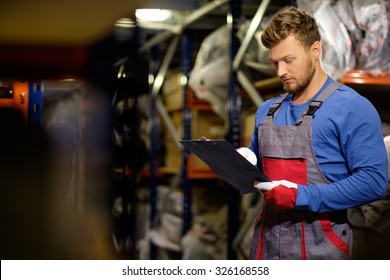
x: 224, y: 160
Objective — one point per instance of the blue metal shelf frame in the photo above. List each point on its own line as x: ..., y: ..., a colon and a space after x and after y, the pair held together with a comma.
x: 186, y: 58
x: 233, y: 137
x: 35, y: 103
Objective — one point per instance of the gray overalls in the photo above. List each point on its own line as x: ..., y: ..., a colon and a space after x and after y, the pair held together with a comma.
x: 287, y: 153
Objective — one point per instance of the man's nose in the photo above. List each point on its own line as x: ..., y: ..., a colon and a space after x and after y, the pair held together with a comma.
x: 281, y: 69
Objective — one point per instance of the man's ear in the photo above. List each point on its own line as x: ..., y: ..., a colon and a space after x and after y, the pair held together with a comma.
x: 316, y: 50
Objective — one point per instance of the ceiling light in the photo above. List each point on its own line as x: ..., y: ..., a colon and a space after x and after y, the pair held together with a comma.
x: 153, y: 14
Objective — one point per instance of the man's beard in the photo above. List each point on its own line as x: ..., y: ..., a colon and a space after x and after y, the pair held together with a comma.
x: 302, y: 84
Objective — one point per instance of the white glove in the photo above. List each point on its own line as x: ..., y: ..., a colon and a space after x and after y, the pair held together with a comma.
x: 248, y: 154
x: 282, y: 194
x: 267, y: 186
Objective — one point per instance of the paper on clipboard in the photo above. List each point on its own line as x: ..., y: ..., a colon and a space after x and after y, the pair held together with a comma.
x: 224, y: 160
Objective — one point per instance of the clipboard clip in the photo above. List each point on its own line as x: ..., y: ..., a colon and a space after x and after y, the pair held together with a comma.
x: 203, y: 139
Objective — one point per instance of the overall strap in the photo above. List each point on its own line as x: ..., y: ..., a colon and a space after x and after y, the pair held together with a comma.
x: 308, y: 115
x: 272, y: 111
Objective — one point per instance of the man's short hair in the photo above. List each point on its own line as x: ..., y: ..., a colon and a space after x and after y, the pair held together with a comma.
x: 291, y: 21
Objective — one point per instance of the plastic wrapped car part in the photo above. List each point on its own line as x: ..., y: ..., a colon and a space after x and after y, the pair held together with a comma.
x: 211, y: 73
x: 210, y: 76
x: 337, y: 53
x: 373, y: 52
x: 344, y: 10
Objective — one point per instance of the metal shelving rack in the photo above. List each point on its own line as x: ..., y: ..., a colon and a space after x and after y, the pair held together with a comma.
x: 27, y: 97
x: 237, y: 80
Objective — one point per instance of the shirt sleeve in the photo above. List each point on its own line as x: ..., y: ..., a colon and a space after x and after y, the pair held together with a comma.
x: 361, y: 142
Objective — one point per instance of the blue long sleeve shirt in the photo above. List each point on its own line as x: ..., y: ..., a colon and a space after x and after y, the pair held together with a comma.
x: 349, y: 148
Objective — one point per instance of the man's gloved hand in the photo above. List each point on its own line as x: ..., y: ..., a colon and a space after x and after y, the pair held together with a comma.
x: 248, y: 154
x: 282, y: 194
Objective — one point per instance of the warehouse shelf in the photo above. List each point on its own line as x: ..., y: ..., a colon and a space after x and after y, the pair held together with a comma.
x: 374, y: 88
x: 199, y: 172
x: 356, y: 76
x: 196, y: 103
x: 184, y: 163
x: 164, y: 171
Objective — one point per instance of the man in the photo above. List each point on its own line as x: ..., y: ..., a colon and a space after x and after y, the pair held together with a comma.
x: 320, y: 144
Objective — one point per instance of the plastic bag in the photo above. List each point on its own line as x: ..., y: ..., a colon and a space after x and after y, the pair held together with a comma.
x: 374, y: 50
x: 344, y: 10
x: 210, y: 76
x: 337, y: 51
x: 256, y: 55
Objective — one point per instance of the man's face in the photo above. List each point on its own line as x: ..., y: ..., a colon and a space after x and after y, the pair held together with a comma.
x: 293, y: 64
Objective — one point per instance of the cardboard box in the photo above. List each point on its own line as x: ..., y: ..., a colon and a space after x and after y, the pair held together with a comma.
x: 174, y: 100
x: 173, y: 156
x: 247, y: 127
x: 207, y: 124
x: 172, y: 82
x: 204, y: 123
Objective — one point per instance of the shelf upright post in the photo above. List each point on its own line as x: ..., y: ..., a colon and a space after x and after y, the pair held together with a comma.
x: 154, y: 135
x: 233, y: 136
x: 186, y: 49
x: 35, y: 104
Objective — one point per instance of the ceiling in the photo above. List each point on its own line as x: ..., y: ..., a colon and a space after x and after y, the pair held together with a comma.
x: 69, y: 22
x: 77, y: 22
x: 52, y: 38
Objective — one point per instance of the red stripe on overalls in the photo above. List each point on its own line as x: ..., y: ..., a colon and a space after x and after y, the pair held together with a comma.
x: 332, y: 236
x: 294, y: 170
x: 303, y: 242
x: 259, y: 253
